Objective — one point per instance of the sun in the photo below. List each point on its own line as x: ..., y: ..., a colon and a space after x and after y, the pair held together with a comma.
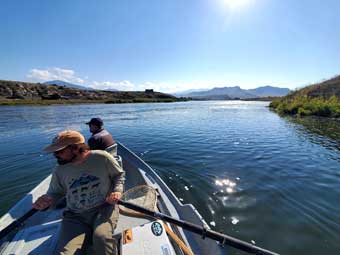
x: 234, y: 3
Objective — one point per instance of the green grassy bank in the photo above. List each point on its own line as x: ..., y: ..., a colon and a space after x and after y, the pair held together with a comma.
x: 307, y: 106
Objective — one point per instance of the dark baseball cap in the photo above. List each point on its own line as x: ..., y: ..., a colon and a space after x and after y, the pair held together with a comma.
x: 96, y: 121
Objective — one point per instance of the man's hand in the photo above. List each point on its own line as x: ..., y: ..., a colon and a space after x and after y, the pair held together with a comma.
x: 113, y: 197
x: 43, y: 202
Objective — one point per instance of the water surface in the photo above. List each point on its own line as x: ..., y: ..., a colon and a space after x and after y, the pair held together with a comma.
x: 252, y: 174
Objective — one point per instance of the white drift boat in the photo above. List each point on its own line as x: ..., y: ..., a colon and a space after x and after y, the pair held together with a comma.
x: 39, y: 233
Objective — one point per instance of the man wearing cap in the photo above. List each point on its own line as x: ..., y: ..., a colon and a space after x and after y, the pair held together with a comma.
x: 100, y: 139
x: 92, y: 182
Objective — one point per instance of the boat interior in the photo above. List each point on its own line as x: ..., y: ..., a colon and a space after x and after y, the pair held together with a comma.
x: 39, y: 234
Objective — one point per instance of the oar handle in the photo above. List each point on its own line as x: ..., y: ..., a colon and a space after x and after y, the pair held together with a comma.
x: 16, y: 223
x: 204, y: 232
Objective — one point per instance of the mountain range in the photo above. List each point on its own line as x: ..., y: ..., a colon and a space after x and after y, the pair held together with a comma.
x: 72, y: 85
x: 235, y: 92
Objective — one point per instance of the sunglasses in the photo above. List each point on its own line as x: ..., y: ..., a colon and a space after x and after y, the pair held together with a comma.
x: 61, y: 151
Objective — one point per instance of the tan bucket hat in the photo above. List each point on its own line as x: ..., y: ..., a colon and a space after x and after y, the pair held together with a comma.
x: 64, y: 139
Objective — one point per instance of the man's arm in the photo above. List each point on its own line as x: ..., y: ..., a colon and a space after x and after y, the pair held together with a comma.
x: 54, y: 193
x: 92, y: 143
x: 43, y: 202
x: 117, y: 175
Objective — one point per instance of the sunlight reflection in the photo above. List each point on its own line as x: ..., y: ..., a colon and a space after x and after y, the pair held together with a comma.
x: 228, y: 184
x: 229, y: 190
x: 234, y: 220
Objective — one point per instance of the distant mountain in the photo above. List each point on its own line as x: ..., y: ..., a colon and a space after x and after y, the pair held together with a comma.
x: 226, y: 92
x: 67, y: 84
x: 186, y: 92
x: 269, y: 91
x: 237, y: 92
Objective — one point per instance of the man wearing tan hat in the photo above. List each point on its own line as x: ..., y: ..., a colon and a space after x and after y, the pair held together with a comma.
x: 92, y: 182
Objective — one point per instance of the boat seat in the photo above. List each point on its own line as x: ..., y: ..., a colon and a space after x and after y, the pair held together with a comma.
x: 112, y: 149
x: 126, y: 222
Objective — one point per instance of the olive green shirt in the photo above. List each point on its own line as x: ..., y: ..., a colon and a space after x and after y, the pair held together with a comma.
x: 87, y: 185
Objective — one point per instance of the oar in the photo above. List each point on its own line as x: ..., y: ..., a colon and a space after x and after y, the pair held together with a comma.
x: 222, y: 238
x: 16, y: 223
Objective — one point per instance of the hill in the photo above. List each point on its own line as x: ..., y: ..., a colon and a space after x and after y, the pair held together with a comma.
x: 325, y: 89
x: 14, y: 92
x: 222, y: 93
x: 269, y: 91
x: 321, y: 99
x: 187, y: 92
x: 236, y: 92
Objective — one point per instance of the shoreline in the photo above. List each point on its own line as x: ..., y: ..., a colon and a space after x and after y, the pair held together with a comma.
x: 11, y: 102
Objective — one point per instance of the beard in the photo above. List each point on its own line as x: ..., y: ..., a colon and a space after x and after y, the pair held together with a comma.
x: 65, y: 161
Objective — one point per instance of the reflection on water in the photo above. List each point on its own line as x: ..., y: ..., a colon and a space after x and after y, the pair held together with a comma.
x: 321, y: 129
x: 250, y: 173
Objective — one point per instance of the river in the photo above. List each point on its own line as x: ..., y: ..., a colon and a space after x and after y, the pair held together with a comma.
x: 257, y: 176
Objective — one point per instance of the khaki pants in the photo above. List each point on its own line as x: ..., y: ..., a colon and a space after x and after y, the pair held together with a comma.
x: 78, y: 230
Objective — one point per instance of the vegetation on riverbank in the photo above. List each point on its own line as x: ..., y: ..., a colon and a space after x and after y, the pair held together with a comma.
x: 321, y: 99
x: 261, y: 99
x: 305, y: 106
x: 77, y: 101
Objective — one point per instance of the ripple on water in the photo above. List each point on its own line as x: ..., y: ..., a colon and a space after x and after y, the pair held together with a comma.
x: 286, y: 171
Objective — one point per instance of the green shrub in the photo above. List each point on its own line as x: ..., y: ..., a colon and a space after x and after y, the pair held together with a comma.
x: 304, y: 112
x: 303, y: 105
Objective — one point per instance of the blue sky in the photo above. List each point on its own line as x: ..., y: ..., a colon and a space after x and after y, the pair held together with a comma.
x: 170, y: 45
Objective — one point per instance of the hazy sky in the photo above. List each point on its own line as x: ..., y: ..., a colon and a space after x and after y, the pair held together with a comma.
x: 170, y: 45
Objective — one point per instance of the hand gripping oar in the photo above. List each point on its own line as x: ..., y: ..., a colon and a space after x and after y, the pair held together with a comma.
x: 17, y: 223
x: 222, y: 238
